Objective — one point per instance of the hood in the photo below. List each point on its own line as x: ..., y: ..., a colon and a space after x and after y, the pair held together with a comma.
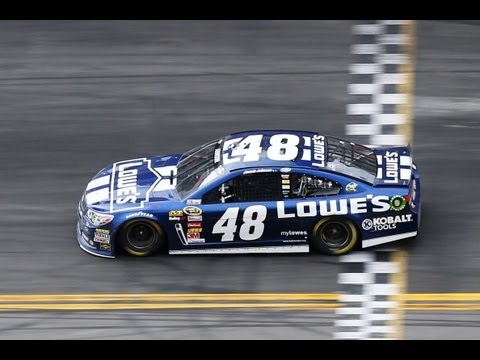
x: 132, y: 184
x: 394, y: 166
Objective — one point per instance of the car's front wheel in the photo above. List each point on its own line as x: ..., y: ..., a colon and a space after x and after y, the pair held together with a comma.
x: 141, y: 237
x: 334, y: 236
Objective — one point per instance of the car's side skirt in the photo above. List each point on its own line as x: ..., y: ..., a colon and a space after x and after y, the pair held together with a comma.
x: 387, y: 239
x: 246, y: 250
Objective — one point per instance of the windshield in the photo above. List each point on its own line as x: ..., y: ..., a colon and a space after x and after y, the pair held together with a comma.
x: 198, y: 167
x: 352, y: 159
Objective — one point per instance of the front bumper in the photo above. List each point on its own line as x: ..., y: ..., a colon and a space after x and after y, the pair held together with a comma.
x: 93, y: 240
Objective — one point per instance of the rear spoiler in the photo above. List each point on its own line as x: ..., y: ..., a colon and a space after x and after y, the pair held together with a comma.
x: 394, y: 166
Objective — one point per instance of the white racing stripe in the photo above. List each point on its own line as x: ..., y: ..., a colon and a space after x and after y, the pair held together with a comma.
x: 395, y: 99
x: 349, y: 335
x: 392, y: 58
x: 356, y: 278
x: 405, y: 160
x: 386, y: 239
x: 394, y: 22
x: 390, y: 139
x: 362, y: 129
x: 380, y: 289
x: 392, y: 39
x: 365, y: 68
x: 97, y: 196
x: 367, y: 29
x: 381, y: 304
x: 363, y: 109
x: 101, y: 181
x: 166, y: 183
x: 394, y: 78
x: 389, y: 119
x: 356, y: 298
x: 382, y: 267
x: 365, y: 49
x: 405, y: 174
x: 246, y: 250
x: 362, y: 89
x: 357, y: 257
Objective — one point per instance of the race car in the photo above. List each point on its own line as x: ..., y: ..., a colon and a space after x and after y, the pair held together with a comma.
x: 269, y: 191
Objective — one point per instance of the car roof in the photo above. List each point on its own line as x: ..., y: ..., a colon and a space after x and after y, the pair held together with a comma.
x: 311, y: 147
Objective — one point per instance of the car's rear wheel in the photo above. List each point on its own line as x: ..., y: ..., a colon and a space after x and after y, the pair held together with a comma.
x: 141, y: 237
x: 334, y: 236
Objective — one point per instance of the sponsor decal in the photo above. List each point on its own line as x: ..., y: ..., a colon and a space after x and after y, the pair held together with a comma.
x: 386, y: 222
x: 105, y: 247
x: 255, y: 171
x: 175, y: 213
x: 174, y: 218
x: 194, y: 238
x: 125, y: 189
x: 194, y: 218
x: 85, y: 237
x: 391, y: 167
x: 192, y: 210
x: 294, y: 241
x: 397, y: 167
x: 285, y: 170
x: 194, y: 230
x: 102, y: 231
x: 379, y: 203
x: 285, y: 185
x: 351, y: 187
x: 139, y: 214
x: 318, y: 150
x: 194, y: 224
x: 293, y: 233
x: 194, y: 201
x: 101, y: 237
x: 98, y: 219
x: 397, y: 203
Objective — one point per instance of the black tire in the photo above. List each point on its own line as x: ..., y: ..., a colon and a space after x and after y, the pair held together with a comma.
x: 334, y: 236
x: 142, y: 237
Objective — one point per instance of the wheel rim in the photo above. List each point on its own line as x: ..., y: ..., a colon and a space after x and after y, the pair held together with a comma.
x: 335, y: 234
x: 141, y: 236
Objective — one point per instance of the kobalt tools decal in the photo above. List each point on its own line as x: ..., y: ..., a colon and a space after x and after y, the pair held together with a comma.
x: 386, y: 222
x: 127, y: 190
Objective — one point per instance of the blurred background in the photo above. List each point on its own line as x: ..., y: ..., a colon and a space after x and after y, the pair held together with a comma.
x: 78, y: 95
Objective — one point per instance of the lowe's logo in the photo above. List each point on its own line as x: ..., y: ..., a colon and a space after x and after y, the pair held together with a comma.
x: 127, y: 190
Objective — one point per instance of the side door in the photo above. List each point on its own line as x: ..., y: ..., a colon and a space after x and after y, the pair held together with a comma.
x: 241, y: 212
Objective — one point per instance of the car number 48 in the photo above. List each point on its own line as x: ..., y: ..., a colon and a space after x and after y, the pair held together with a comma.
x: 252, y: 223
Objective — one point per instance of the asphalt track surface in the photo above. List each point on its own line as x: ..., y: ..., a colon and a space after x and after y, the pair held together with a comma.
x: 76, y: 96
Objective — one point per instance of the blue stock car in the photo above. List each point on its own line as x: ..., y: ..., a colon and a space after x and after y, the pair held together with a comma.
x: 271, y: 191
